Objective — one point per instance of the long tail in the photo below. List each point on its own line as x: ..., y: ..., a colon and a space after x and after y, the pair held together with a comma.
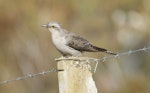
x: 104, y: 50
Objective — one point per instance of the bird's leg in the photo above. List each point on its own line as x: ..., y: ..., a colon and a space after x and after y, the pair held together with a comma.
x: 72, y: 56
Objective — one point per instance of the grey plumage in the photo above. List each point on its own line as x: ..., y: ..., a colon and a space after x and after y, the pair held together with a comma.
x: 70, y: 44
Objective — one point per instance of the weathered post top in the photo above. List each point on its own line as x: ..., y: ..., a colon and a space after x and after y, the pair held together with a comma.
x: 76, y: 77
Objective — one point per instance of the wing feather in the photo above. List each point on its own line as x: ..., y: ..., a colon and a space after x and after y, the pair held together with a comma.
x: 80, y: 44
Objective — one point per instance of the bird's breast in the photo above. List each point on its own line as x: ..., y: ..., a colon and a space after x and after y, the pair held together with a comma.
x: 61, y: 45
x: 58, y: 41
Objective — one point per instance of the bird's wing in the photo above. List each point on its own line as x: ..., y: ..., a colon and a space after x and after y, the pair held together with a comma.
x: 80, y: 44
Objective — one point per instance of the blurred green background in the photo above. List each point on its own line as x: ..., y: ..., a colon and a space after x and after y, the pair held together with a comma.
x: 117, y: 25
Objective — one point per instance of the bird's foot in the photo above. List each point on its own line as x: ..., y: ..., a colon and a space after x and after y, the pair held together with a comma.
x: 62, y: 57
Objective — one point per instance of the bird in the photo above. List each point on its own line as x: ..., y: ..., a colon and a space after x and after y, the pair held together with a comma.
x: 70, y: 44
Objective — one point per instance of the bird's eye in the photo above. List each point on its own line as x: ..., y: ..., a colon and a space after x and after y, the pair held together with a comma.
x: 53, y: 26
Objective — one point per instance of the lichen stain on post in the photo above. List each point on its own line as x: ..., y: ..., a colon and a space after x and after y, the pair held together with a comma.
x: 76, y: 77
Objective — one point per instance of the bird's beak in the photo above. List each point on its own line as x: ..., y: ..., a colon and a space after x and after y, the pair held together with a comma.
x: 44, y: 26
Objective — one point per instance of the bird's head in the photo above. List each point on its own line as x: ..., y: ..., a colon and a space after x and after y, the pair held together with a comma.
x: 52, y: 26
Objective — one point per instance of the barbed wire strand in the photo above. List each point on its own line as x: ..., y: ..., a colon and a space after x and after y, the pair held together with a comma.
x: 30, y: 76
x: 103, y: 59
